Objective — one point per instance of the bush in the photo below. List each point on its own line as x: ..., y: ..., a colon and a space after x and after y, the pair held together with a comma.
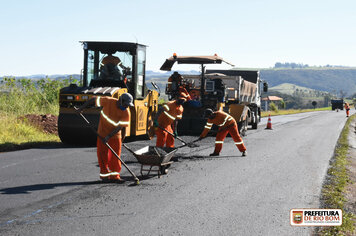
x: 26, y: 96
x: 273, y: 107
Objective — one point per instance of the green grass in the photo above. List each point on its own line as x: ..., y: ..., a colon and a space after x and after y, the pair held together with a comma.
x: 292, y: 111
x: 333, y: 192
x: 19, y: 97
x: 17, y: 134
x: 290, y: 89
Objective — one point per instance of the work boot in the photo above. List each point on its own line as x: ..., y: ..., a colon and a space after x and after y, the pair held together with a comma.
x: 244, y: 153
x: 116, y: 179
x: 214, y: 154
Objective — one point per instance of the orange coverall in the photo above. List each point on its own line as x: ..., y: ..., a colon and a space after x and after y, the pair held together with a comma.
x: 347, y: 108
x: 171, y: 112
x: 226, y: 124
x: 111, y: 116
x: 174, y: 78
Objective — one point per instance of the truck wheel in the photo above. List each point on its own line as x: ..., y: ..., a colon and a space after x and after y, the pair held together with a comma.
x: 254, y: 125
x: 255, y: 120
x: 242, y: 127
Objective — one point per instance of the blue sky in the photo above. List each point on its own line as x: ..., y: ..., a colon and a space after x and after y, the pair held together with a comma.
x: 42, y: 36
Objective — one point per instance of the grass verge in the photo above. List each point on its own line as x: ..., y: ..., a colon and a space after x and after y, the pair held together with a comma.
x: 17, y: 134
x: 292, y: 111
x: 334, y: 188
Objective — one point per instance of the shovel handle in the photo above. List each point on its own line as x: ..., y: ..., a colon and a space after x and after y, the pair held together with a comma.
x: 185, y: 143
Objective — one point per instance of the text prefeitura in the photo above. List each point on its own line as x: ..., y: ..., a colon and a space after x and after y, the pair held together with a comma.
x: 321, y: 213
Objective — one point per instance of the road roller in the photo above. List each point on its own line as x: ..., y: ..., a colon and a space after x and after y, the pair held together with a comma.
x: 124, y: 72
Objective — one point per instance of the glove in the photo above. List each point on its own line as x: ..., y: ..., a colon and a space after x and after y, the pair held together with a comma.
x: 175, y: 134
x: 155, y: 123
x: 200, y: 138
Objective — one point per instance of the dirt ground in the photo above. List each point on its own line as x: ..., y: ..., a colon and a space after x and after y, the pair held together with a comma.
x: 48, y: 122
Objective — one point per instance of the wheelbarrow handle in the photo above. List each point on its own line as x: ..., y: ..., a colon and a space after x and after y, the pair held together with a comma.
x: 128, y: 149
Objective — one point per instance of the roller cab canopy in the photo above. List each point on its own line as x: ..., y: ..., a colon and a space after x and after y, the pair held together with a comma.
x: 199, y: 60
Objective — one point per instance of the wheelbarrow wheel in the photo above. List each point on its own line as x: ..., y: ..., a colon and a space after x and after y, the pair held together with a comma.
x: 164, y: 170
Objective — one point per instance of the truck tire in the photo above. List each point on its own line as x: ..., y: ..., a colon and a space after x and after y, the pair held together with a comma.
x: 242, y: 126
x: 255, y: 125
x: 256, y: 119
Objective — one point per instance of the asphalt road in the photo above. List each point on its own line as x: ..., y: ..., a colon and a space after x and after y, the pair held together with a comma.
x: 55, y: 191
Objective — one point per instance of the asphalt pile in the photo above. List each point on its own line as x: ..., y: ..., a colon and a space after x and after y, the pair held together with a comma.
x: 155, y: 151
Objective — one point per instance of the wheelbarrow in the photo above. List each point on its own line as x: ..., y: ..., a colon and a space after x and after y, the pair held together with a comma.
x: 151, y: 156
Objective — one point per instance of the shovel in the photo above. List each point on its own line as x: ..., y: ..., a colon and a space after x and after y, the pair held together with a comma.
x: 191, y: 144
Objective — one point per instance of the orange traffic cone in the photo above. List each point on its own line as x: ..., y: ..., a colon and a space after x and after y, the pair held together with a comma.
x: 269, y: 123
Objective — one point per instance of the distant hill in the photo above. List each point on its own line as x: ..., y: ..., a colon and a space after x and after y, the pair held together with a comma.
x: 323, y: 79
x: 331, y: 80
x: 292, y: 89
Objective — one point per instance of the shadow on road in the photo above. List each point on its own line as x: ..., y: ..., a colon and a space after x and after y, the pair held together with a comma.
x: 36, y: 187
x: 196, y: 157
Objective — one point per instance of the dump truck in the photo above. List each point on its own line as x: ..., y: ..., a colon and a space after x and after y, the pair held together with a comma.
x: 98, y: 79
x: 337, y: 104
x: 237, y: 92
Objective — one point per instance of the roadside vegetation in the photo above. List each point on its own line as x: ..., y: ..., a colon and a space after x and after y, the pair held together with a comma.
x: 19, y: 97
x: 18, y: 134
x: 277, y: 112
x: 334, y: 189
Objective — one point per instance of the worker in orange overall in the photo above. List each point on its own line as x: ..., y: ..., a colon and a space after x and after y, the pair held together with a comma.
x: 174, y: 81
x: 226, y: 124
x: 347, y: 108
x: 114, y: 118
x: 109, y: 67
x: 110, y: 59
x: 172, y: 112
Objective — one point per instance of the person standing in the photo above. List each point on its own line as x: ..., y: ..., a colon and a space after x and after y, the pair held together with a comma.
x: 114, y: 119
x: 347, y: 108
x: 174, y: 81
x: 172, y: 112
x: 226, y: 124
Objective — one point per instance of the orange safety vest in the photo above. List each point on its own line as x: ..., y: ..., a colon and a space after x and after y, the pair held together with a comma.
x: 221, y: 119
x: 171, y: 112
x: 111, y: 116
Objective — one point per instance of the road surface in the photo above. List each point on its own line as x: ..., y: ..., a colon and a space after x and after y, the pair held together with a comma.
x: 55, y: 191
